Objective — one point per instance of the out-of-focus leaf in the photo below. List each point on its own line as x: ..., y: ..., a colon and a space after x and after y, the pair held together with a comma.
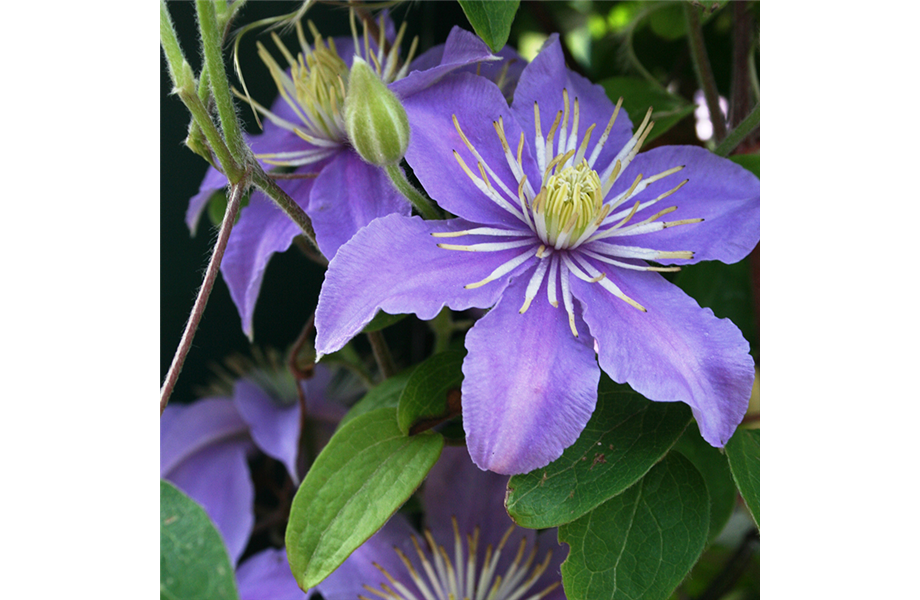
x: 638, y: 95
x: 743, y: 452
x: 713, y: 466
x: 726, y: 289
x: 491, y: 19
x: 642, y: 543
x: 365, y: 473
x: 625, y: 437
x: 194, y: 564
x: 751, y: 162
x: 425, y: 394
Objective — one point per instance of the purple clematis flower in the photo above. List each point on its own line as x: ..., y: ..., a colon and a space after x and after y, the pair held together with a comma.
x: 468, y: 544
x: 553, y: 233
x: 204, y: 447
x: 305, y: 130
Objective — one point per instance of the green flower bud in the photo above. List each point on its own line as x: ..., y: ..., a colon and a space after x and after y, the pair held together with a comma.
x: 375, y: 120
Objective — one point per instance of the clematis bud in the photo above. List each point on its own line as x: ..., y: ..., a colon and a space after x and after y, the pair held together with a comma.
x: 375, y: 120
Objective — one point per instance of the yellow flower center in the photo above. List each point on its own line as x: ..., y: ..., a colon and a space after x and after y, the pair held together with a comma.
x: 571, y: 200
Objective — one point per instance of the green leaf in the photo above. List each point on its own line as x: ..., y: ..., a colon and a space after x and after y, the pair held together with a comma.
x: 425, y: 395
x: 385, y: 394
x: 638, y: 95
x: 625, y: 437
x: 713, y: 466
x: 642, y: 543
x: 726, y: 289
x: 751, y: 162
x: 491, y: 19
x: 193, y: 560
x: 743, y: 452
x: 365, y: 473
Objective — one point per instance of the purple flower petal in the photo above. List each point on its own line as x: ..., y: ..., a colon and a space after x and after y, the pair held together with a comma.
x: 267, y: 576
x: 186, y: 430
x: 594, y: 105
x: 457, y: 489
x: 725, y: 195
x: 395, y: 265
x: 476, y: 102
x: 529, y: 385
x: 462, y: 48
x: 262, y: 230
x: 274, y: 428
x: 217, y: 478
x: 348, y: 194
x: 213, y: 180
x: 676, y: 351
x: 203, y: 450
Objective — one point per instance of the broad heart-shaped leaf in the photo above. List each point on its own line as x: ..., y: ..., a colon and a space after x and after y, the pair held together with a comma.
x: 625, y: 437
x: 743, y: 452
x: 362, y: 476
x: 642, y: 543
x: 425, y: 394
x: 385, y: 394
x: 194, y: 564
x: 638, y: 95
x: 491, y: 19
x: 713, y: 466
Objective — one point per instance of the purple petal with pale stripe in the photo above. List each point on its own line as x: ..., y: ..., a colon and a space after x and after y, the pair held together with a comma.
x: 476, y: 102
x: 529, y: 385
x: 395, y: 265
x: 542, y: 81
x: 724, y: 194
x: 676, y: 351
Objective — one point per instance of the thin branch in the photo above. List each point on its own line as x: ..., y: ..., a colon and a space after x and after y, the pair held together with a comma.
x: 382, y: 354
x: 749, y: 124
x: 704, y: 70
x: 185, y: 344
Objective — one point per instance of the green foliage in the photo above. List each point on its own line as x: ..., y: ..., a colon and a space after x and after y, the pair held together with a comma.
x: 641, y: 543
x: 365, y: 473
x: 713, y: 466
x: 382, y: 320
x: 751, y: 162
x: 193, y: 560
x: 638, y: 95
x: 625, y: 437
x: 425, y: 394
x: 385, y: 394
x: 491, y: 19
x: 726, y: 289
x: 743, y: 452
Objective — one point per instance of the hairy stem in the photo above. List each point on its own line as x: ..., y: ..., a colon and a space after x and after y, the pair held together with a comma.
x: 420, y: 202
x: 210, y: 276
x: 211, y: 42
x: 271, y: 189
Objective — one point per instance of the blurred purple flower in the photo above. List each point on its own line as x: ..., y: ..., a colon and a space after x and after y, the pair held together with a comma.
x: 469, y: 542
x: 204, y: 446
x: 305, y: 130
x: 543, y: 217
